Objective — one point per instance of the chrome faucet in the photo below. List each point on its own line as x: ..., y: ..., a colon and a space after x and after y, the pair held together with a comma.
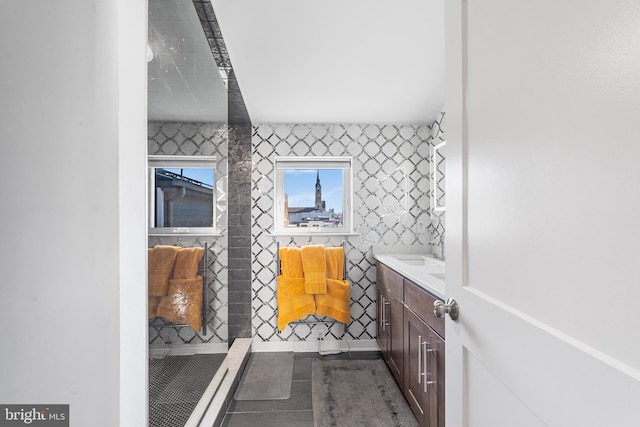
x: 440, y: 239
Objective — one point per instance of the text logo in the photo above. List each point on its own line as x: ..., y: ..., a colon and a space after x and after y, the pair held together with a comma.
x: 34, y: 415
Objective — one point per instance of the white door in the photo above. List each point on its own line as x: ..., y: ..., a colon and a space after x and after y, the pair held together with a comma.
x: 543, y: 212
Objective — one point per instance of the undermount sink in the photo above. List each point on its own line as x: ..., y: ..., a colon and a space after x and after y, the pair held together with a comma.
x: 411, y: 261
x: 421, y: 268
x: 417, y: 260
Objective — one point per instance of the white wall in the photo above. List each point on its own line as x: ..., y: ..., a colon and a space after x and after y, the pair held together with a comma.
x: 71, y: 225
x: 132, y: 44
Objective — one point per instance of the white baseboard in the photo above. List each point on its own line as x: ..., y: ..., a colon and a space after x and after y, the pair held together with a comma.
x: 314, y: 346
x: 310, y: 346
x: 188, y: 349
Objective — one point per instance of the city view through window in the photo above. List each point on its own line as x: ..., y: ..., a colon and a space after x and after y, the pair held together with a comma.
x: 313, y: 198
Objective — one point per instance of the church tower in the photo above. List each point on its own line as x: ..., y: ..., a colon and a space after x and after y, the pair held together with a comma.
x: 319, y: 203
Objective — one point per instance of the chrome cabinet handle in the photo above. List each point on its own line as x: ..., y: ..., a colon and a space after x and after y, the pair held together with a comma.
x: 425, y: 359
x: 419, y: 358
x: 382, y: 321
x: 384, y: 311
x: 451, y: 307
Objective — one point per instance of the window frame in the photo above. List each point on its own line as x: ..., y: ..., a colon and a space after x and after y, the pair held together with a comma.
x: 165, y: 161
x: 282, y: 163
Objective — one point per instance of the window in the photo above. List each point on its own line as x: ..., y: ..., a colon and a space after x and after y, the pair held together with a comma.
x: 182, y: 195
x: 313, y: 195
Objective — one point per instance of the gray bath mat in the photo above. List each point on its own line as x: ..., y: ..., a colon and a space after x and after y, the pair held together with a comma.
x: 268, y: 377
x: 357, y: 393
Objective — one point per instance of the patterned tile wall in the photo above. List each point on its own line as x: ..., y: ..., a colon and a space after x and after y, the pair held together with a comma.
x: 391, y: 178
x: 197, y: 139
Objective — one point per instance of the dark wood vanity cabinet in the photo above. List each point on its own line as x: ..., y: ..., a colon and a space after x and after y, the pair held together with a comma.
x: 424, y: 371
x: 390, y: 335
x: 412, y: 342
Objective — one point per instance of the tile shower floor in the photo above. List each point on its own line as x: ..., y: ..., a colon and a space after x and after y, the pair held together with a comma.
x: 297, y: 410
x: 176, y: 384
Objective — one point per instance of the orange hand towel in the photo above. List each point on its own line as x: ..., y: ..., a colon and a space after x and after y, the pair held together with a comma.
x: 153, y: 306
x: 161, y: 259
x: 290, y: 262
x: 314, y: 265
x: 336, y: 302
x: 183, y: 304
x: 293, y: 302
x: 335, y: 263
x: 187, y: 262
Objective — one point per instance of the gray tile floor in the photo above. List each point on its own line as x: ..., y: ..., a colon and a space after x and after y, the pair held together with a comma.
x: 297, y: 410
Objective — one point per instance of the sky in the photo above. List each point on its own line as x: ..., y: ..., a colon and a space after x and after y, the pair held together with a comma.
x: 300, y: 186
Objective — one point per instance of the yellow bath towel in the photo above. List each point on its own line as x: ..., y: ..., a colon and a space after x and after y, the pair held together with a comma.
x: 336, y: 302
x: 161, y: 259
x: 187, y: 262
x: 290, y: 262
x: 293, y: 302
x: 335, y: 263
x: 314, y: 265
x: 153, y: 306
x: 183, y: 303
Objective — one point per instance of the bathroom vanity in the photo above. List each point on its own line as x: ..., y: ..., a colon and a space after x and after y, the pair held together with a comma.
x: 410, y: 336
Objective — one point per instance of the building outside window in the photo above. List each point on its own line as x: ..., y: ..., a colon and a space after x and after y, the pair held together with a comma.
x: 181, y: 195
x: 313, y: 194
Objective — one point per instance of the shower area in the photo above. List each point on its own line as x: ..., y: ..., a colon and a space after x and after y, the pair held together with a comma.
x: 187, y: 337
x: 176, y: 386
x: 188, y: 152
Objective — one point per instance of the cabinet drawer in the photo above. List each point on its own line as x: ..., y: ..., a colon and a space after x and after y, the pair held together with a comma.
x: 421, y: 303
x: 391, y: 280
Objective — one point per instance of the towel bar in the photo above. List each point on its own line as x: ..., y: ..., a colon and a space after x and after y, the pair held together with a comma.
x: 315, y: 322
x: 205, y: 306
x: 344, y: 254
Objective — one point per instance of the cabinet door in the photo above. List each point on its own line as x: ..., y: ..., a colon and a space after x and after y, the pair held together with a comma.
x: 436, y: 365
x: 421, y: 376
x: 396, y: 338
x: 416, y: 333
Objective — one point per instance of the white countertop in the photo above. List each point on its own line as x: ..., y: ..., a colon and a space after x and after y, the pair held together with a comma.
x: 416, y: 264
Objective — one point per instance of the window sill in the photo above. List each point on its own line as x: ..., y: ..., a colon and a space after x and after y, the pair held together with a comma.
x: 314, y: 233
x: 184, y: 234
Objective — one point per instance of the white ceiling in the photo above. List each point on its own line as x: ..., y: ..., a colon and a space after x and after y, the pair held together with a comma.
x: 302, y: 61
x: 337, y: 61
